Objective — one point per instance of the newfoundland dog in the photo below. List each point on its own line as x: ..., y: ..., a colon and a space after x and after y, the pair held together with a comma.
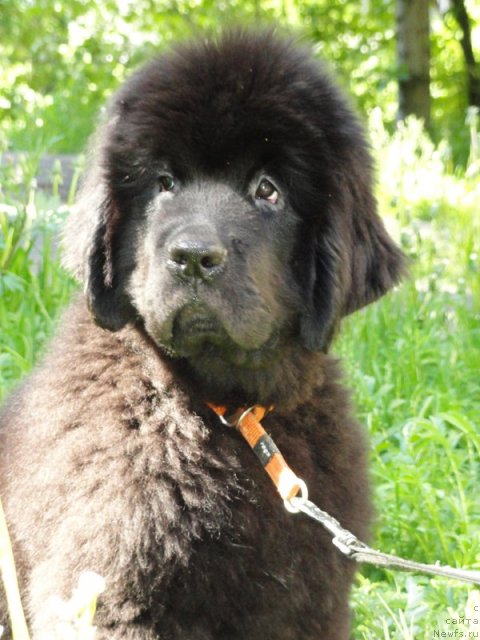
x: 225, y: 227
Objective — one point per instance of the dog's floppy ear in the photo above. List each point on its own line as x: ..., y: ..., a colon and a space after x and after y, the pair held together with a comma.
x: 319, y: 267
x: 350, y: 261
x: 88, y: 252
x: 375, y: 262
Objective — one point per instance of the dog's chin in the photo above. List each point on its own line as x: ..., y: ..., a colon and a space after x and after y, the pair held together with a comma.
x: 196, y: 334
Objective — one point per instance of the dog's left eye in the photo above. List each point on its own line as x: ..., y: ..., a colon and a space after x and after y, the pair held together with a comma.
x: 267, y: 191
x: 166, y: 183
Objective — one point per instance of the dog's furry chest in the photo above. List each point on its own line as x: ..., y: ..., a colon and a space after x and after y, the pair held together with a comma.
x: 165, y: 502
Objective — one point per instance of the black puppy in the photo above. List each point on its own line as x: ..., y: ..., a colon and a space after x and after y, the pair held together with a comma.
x: 226, y: 225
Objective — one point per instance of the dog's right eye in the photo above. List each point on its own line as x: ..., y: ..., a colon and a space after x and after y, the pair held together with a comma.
x: 166, y: 183
x: 267, y: 191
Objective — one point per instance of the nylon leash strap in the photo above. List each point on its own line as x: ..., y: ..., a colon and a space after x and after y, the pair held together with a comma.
x: 289, y: 486
x: 248, y: 423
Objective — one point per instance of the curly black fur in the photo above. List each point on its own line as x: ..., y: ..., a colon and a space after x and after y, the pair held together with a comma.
x: 198, y: 288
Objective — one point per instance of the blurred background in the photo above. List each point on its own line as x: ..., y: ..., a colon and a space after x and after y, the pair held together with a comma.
x: 59, y: 60
x: 412, y: 67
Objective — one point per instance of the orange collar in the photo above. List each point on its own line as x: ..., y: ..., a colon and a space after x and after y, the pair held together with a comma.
x: 247, y: 421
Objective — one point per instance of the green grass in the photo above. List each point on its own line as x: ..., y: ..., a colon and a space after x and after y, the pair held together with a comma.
x: 33, y: 287
x: 413, y: 362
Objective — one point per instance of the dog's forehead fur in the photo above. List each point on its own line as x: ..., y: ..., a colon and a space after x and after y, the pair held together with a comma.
x: 210, y: 104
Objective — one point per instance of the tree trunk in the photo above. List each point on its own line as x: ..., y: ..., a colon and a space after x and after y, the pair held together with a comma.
x: 473, y: 67
x: 413, y: 56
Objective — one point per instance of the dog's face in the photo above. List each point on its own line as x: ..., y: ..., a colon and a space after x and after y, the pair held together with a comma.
x: 229, y: 208
x: 211, y: 270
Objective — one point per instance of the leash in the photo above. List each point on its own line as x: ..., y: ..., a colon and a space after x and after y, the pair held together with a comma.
x: 289, y: 486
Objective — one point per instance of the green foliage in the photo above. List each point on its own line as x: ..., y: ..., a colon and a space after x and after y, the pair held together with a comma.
x: 413, y: 358
x: 32, y: 285
x: 59, y: 61
x: 357, y: 38
x: 64, y: 59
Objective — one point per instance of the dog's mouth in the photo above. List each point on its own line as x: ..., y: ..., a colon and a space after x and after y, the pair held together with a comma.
x: 194, y: 326
x: 195, y: 331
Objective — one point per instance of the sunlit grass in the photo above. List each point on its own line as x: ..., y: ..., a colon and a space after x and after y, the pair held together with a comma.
x: 33, y: 287
x: 414, y: 361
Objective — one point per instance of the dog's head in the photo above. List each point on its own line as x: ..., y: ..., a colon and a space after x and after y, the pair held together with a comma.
x: 229, y: 205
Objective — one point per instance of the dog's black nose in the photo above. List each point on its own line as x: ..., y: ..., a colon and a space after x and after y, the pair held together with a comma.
x: 196, y: 258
